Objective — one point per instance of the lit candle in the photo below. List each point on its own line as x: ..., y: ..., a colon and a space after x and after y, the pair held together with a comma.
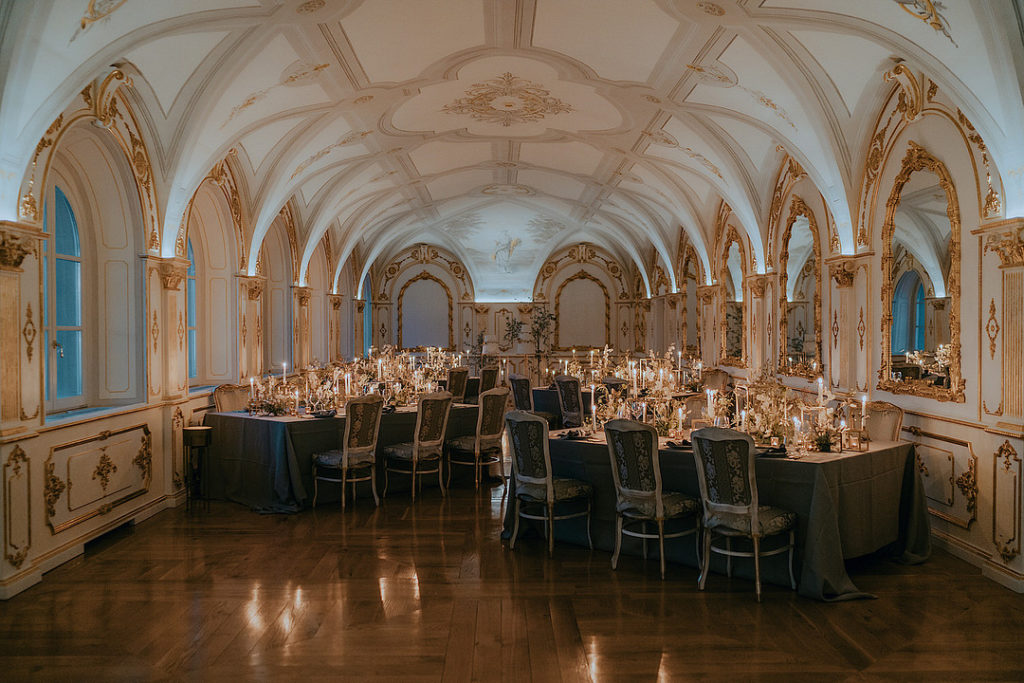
x: 679, y: 419
x: 252, y: 387
x: 593, y: 414
x: 821, y: 391
x: 863, y: 410
x: 296, y: 400
x: 679, y: 359
x: 348, y: 383
x: 380, y: 367
x: 743, y: 419
x: 591, y: 357
x: 284, y: 372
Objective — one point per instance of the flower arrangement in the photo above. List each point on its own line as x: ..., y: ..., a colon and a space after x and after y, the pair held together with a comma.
x: 768, y: 410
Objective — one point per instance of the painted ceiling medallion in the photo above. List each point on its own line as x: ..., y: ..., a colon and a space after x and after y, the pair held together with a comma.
x: 507, y: 100
x: 310, y: 6
x: 507, y: 190
x: 711, y: 8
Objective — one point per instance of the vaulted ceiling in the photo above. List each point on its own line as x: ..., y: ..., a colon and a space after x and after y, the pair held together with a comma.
x: 503, y: 129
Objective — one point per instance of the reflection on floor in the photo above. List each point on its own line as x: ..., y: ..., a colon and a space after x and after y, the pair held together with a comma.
x: 428, y: 592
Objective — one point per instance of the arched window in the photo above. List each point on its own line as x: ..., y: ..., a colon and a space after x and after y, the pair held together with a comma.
x: 367, y: 317
x: 908, y: 314
x: 62, y: 311
x: 190, y: 305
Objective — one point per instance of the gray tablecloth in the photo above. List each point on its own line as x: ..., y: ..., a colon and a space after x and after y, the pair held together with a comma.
x: 266, y: 462
x: 848, y: 505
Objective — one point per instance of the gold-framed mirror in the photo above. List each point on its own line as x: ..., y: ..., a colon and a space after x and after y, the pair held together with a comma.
x: 800, y: 294
x: 921, y: 282
x: 732, y: 306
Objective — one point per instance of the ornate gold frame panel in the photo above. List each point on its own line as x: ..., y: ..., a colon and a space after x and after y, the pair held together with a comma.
x: 918, y: 159
x: 798, y: 207
x: 724, y: 358
x: 107, y: 458
x: 583, y: 275
x: 424, y: 275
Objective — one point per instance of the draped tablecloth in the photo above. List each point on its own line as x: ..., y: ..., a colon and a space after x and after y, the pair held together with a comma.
x: 266, y: 462
x: 848, y: 505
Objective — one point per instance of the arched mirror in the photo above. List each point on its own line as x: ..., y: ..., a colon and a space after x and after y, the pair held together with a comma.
x: 732, y: 313
x: 800, y: 294
x: 921, y: 282
x: 690, y: 321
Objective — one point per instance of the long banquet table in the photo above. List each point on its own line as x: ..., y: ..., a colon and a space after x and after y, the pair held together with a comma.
x: 266, y: 462
x: 848, y: 505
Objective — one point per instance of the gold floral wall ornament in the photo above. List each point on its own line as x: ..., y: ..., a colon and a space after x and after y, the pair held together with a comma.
x: 143, y: 460
x: 181, y: 331
x: 507, y: 100
x: 12, y: 471
x: 1006, y: 468
x: 310, y: 6
x: 835, y: 329
x: 28, y: 332
x: 96, y: 10
x: 911, y: 95
x: 154, y: 331
x: 930, y: 12
x: 104, y: 469
x: 1009, y: 246
x: 303, y: 72
x: 711, y: 8
x: 13, y: 251
x: 53, y: 487
x: 348, y: 139
x: 861, y: 328
x: 992, y: 328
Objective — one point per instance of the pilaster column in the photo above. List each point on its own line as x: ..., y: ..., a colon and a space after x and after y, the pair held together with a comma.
x: 708, y: 316
x: 673, y: 323
x: 841, y: 334
x: 757, y: 335
x: 172, y: 300
x: 21, y: 334
x: 359, y: 348
x: 250, y: 326
x: 334, y: 322
x: 302, y: 345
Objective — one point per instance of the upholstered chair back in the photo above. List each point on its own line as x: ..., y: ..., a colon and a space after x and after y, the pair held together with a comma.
x: 488, y: 379
x: 531, y: 460
x: 636, y: 466
x: 490, y: 417
x: 457, y: 383
x: 695, y: 407
x: 431, y: 423
x: 884, y: 421
x: 725, y: 472
x: 570, y: 400
x: 522, y: 395
x: 230, y: 397
x: 716, y: 379
x: 362, y: 425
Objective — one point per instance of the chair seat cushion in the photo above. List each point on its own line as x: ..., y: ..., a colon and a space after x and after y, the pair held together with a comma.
x: 334, y: 458
x: 772, y: 520
x: 400, y: 451
x: 564, y: 489
x: 675, y: 504
x: 466, y: 444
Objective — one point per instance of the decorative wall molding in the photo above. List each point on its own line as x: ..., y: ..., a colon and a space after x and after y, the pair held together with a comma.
x: 17, y: 511
x: 1006, y: 501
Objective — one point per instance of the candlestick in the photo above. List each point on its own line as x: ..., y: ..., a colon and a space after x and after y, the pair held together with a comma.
x: 591, y: 357
x: 863, y: 409
x: 643, y: 414
x: 348, y: 384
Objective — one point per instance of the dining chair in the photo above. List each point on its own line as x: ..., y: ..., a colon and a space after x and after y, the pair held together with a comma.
x: 358, y: 449
x: 639, y: 496
x: 884, y: 421
x: 537, y: 491
x: 728, y: 490
x: 488, y: 378
x: 570, y: 400
x: 484, y: 446
x: 457, y: 383
x: 230, y: 397
x: 716, y: 379
x: 522, y: 397
x: 696, y: 405
x: 424, y: 454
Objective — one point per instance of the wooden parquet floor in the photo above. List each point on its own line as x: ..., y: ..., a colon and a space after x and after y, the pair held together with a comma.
x: 428, y: 592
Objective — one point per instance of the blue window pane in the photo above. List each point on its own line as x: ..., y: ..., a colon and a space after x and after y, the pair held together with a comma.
x: 68, y: 293
x: 46, y: 355
x: 191, y: 261
x: 65, y: 227
x: 46, y: 288
x: 192, y: 354
x: 191, y: 303
x: 69, y: 368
